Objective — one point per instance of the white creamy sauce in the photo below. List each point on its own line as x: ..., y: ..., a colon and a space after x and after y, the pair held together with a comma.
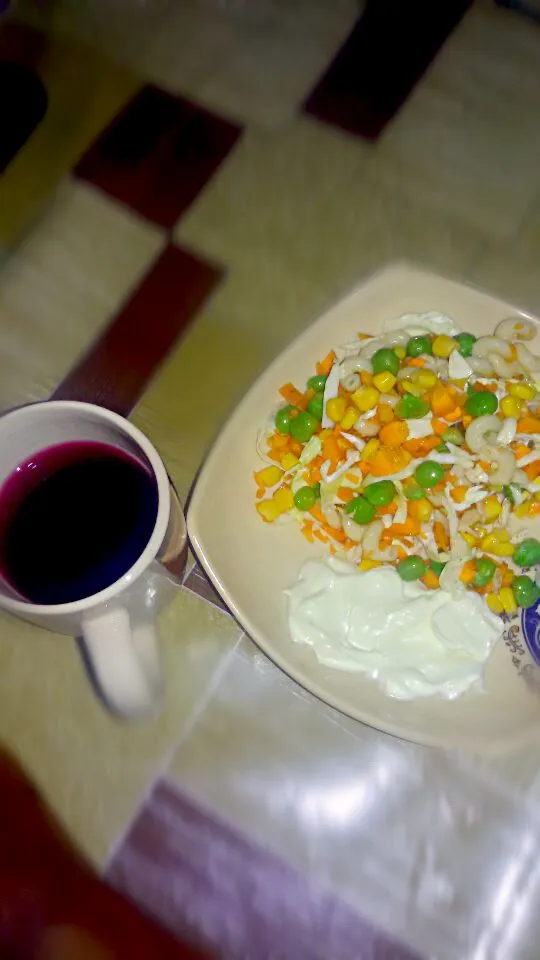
x: 413, y: 641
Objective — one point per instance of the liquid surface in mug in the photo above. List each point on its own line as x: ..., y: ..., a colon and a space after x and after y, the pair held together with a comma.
x: 74, y: 518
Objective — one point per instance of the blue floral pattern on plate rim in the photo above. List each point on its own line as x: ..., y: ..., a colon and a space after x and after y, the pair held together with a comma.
x: 521, y: 636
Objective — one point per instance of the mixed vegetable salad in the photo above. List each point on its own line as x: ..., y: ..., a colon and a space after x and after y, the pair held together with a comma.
x: 418, y: 448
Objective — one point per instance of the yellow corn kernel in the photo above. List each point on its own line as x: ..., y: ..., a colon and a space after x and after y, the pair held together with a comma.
x: 400, y: 352
x: 488, y: 542
x: 494, y: 603
x: 370, y: 449
x: 324, y: 434
x: 349, y: 418
x: 385, y: 412
x: 501, y: 534
x: 367, y: 564
x: 365, y: 398
x: 443, y: 345
x: 269, y: 510
x: 522, y: 510
x: 492, y: 508
x: 268, y: 477
x: 426, y: 379
x: 288, y: 461
x: 283, y: 499
x: 508, y: 602
x: 409, y: 387
x: 423, y: 510
x: 491, y: 544
x: 537, y: 495
x: 384, y: 381
x: 524, y: 391
x: 469, y: 539
x: 511, y: 406
x: 503, y: 550
x: 336, y: 408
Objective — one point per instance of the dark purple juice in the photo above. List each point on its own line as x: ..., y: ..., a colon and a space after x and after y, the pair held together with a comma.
x: 73, y: 519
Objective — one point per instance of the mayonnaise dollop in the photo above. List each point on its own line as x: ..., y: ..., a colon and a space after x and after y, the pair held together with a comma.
x: 413, y: 641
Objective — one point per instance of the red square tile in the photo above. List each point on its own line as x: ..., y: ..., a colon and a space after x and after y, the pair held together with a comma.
x: 386, y: 54
x: 158, y: 154
x: 118, y: 366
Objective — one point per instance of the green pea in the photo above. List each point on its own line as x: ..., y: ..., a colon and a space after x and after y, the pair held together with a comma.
x: 526, y: 593
x: 303, y: 426
x: 316, y: 405
x: 418, y: 345
x: 304, y: 498
x: 466, y: 342
x: 410, y: 407
x: 414, y: 492
x: 317, y: 383
x: 362, y: 510
x: 481, y: 403
x: 283, y: 419
x: 428, y: 474
x: 453, y: 435
x: 485, y: 568
x: 527, y: 553
x: 380, y: 493
x: 385, y: 359
x: 412, y: 568
x: 437, y: 566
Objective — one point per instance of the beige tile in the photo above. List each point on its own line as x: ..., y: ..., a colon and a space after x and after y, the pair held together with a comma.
x: 310, y: 200
x: 187, y: 48
x: 466, y: 143
x: 271, y: 191
x: 179, y: 417
x: 492, y: 52
x: 503, y: 269
x: 93, y: 768
x: 420, y: 841
x: 259, y: 307
x: 363, y: 225
x: 63, y: 284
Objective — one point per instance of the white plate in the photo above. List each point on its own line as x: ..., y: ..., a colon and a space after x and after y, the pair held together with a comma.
x: 251, y: 563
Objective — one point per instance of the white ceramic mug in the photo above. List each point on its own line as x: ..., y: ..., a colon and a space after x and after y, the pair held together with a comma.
x: 116, y: 625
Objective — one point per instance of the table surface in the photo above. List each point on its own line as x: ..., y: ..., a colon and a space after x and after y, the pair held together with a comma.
x: 184, y: 249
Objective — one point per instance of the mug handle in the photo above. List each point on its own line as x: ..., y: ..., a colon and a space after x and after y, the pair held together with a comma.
x: 125, y: 661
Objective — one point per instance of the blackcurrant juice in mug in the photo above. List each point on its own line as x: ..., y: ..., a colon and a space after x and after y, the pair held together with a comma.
x: 74, y: 518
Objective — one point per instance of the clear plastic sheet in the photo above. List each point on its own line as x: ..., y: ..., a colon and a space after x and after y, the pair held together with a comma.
x: 439, y: 850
